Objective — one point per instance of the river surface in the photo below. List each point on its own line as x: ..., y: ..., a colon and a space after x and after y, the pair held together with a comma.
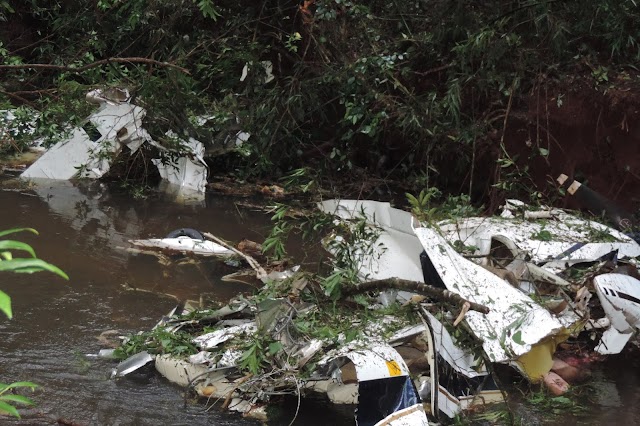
x: 83, y: 230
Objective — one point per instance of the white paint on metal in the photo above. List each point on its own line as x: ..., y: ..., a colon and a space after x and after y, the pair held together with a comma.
x: 184, y: 244
x: 514, y: 323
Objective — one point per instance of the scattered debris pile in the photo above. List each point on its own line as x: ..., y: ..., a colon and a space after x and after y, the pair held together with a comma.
x: 89, y: 150
x: 429, y: 309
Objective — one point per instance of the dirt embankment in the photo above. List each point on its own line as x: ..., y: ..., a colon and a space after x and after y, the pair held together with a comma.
x: 586, y: 129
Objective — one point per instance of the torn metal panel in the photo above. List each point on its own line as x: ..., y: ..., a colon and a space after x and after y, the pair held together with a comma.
x: 396, y: 253
x: 63, y: 160
x: 620, y: 298
x: 458, y: 379
x: 80, y: 155
x: 386, y: 394
x: 460, y: 360
x: 392, y: 401
x: 515, y: 323
x: 132, y: 363
x: 213, y: 339
x: 612, y: 341
x: 185, y: 373
x: 515, y: 326
x: 556, y: 243
x: 187, y: 172
x: 117, y: 123
x: 184, y: 245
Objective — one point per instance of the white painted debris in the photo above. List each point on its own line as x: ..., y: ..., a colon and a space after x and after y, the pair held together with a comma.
x: 213, y: 339
x: 513, y: 310
x: 461, y: 360
x: 119, y: 123
x: 559, y: 242
x: 371, y: 361
x: 184, y: 373
x: 267, y: 68
x: 132, y: 363
x: 620, y: 298
x: 480, y: 389
x: 79, y: 155
x: 109, y: 95
x: 385, y: 393
x: 396, y: 251
x: 188, y: 172
x: 612, y: 342
x: 515, y: 322
x: 183, y: 245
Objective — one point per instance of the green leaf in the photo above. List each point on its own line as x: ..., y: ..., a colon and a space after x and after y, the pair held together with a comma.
x: 8, y: 409
x: 517, y: 337
x: 16, y: 245
x: 28, y: 266
x: 5, y: 304
x: 5, y: 387
x: 14, y: 230
x: 20, y: 399
x: 274, y: 348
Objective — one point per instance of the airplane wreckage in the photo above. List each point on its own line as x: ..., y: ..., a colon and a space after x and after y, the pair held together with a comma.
x: 431, y: 308
x: 88, y: 150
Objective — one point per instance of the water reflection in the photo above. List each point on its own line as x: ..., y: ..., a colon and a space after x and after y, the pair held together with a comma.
x: 81, y: 230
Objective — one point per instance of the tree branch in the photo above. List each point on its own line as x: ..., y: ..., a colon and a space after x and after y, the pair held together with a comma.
x: 132, y: 60
x: 414, y: 287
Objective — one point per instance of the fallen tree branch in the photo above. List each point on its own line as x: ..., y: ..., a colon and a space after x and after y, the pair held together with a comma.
x: 260, y: 272
x: 132, y: 60
x: 19, y: 98
x: 415, y: 287
x: 229, y: 397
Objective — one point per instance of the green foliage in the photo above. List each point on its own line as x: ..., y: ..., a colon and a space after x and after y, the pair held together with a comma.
x: 157, y: 341
x: 557, y: 405
x: 355, y: 84
x: 9, y: 400
x: 349, y: 244
x: 208, y: 9
x: 253, y: 358
x: 29, y: 265
x: 542, y: 235
x: 276, y: 240
x: 422, y: 205
x: 18, y: 265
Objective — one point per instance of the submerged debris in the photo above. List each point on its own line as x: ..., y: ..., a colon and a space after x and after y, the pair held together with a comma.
x: 88, y: 151
x: 426, y: 312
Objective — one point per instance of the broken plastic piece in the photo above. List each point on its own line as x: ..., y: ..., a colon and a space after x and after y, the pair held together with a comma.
x: 131, y: 364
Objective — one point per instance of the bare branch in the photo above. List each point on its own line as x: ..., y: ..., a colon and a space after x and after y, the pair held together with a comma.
x: 415, y: 287
x: 132, y: 60
x: 260, y: 272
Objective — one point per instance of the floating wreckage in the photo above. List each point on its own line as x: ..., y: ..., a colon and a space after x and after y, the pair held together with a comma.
x: 516, y: 289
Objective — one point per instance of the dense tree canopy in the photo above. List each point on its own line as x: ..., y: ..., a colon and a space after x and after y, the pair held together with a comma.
x: 413, y: 90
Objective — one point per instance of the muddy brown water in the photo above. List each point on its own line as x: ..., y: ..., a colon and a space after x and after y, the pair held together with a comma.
x: 82, y: 229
